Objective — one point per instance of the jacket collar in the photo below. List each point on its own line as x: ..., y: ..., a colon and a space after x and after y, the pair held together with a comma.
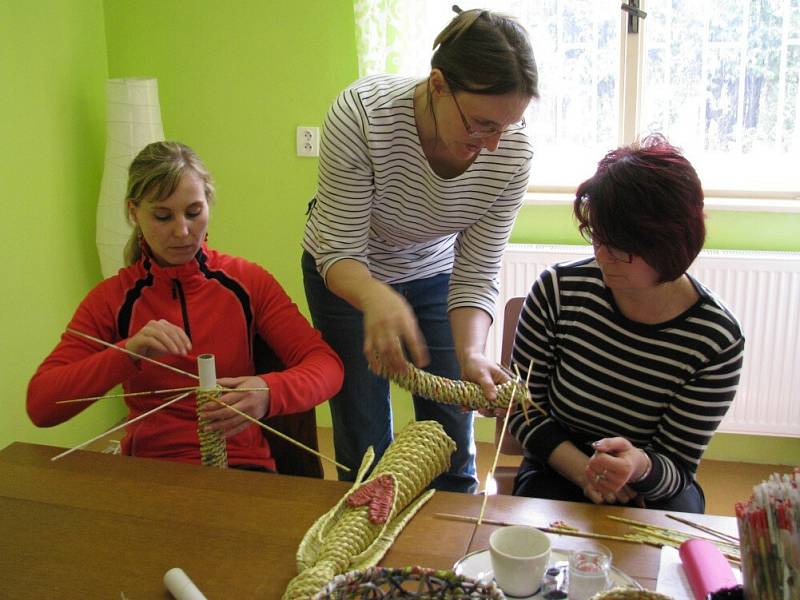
x: 184, y: 273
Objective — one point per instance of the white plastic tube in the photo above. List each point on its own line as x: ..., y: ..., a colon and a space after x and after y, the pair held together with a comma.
x: 207, y: 371
x: 180, y: 586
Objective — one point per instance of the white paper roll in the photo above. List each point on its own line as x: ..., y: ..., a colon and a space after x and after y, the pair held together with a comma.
x: 207, y: 371
x: 180, y: 586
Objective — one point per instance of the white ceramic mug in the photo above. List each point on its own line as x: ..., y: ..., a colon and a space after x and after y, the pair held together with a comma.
x: 589, y: 571
x: 520, y: 554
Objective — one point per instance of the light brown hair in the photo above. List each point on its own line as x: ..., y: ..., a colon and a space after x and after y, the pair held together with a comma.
x: 154, y: 175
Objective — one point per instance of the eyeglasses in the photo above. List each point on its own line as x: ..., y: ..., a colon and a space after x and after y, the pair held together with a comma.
x: 616, y: 254
x: 483, y: 132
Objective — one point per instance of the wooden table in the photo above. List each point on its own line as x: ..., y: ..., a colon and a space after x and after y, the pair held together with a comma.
x: 93, y: 525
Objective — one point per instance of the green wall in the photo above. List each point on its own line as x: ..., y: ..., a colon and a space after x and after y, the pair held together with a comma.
x: 235, y: 81
x: 553, y: 224
x: 52, y: 69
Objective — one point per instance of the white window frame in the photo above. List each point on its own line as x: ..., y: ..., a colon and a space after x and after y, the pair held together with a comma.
x: 379, y: 20
x: 631, y: 76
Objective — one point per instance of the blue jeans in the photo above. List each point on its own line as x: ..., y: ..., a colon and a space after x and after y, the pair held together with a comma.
x: 362, y: 410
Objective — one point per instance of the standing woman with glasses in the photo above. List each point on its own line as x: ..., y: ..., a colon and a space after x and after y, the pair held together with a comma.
x: 635, y: 362
x: 419, y: 185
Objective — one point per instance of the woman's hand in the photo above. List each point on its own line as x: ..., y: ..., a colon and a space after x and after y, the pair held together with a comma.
x: 158, y: 338
x: 389, y: 321
x: 573, y: 464
x: 390, y: 324
x: 477, y: 368
x: 622, y: 496
x: 615, y: 462
x: 254, y: 404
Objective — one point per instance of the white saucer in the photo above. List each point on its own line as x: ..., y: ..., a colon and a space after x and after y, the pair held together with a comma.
x: 478, y: 565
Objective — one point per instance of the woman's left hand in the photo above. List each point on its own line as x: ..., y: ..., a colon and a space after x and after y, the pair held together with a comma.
x: 613, y: 464
x: 479, y: 369
x: 254, y: 404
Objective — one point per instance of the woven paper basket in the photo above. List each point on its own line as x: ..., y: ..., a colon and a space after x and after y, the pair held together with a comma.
x: 411, y: 582
x: 621, y: 593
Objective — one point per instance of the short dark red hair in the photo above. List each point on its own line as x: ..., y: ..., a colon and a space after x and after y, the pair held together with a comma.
x: 645, y: 199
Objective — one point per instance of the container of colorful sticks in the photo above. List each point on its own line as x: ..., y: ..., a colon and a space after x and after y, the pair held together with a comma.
x: 769, y: 534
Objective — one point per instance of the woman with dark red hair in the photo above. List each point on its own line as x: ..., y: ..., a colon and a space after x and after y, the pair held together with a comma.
x: 634, y: 361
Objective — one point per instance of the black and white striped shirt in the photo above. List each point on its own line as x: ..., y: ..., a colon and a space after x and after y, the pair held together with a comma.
x: 379, y: 202
x: 664, y: 387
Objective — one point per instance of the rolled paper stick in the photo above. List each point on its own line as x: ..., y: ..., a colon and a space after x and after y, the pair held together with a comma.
x: 494, y: 466
x: 679, y: 538
x: 649, y: 528
x: 724, y: 536
x: 207, y: 371
x: 528, y: 397
x: 506, y: 370
x: 121, y: 425
x: 643, y: 524
x: 180, y: 586
x: 281, y: 434
x: 126, y: 395
x: 599, y: 536
x: 129, y: 352
x: 155, y: 392
x: 497, y: 451
x: 555, y: 530
x: 524, y: 408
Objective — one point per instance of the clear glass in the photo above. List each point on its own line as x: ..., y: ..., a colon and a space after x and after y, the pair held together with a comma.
x: 589, y: 572
x: 615, y: 253
x: 482, y: 132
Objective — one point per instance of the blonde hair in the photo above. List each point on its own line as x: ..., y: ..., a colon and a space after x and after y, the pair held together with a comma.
x: 154, y: 176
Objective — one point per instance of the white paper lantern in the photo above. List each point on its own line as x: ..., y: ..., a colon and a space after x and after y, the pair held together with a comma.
x: 133, y: 120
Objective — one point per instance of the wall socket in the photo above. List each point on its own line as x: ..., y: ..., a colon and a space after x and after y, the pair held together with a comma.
x: 307, y: 141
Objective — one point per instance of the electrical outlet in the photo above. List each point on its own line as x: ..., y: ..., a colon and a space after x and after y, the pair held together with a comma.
x: 307, y: 141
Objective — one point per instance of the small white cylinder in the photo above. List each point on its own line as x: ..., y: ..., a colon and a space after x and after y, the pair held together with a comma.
x: 180, y: 586
x: 207, y: 370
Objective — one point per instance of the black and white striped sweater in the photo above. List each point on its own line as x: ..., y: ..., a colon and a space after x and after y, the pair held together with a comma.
x: 597, y: 374
x: 378, y: 200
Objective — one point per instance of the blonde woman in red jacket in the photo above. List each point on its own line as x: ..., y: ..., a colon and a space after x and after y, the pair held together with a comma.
x: 175, y: 300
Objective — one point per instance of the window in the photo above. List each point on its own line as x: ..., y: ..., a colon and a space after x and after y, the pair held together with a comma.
x: 720, y: 78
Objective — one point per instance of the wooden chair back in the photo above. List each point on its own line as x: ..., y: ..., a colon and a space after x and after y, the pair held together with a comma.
x: 508, y: 444
x: 504, y: 475
x: 289, y: 459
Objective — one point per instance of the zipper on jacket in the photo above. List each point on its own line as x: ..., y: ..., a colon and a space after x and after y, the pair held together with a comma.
x: 177, y: 292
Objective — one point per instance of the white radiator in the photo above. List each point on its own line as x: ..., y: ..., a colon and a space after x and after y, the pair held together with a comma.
x: 762, y: 289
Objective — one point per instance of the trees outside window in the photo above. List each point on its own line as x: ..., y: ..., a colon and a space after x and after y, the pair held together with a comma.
x: 719, y: 78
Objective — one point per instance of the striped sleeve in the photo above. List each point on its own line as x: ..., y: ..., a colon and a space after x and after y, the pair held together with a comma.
x: 534, y: 350
x: 479, y: 249
x: 345, y: 185
x: 690, y: 421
